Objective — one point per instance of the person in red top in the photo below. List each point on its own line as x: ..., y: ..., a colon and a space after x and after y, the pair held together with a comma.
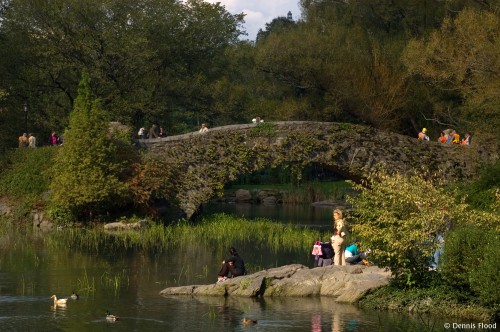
x: 443, y: 138
x: 53, y: 139
x: 466, y: 140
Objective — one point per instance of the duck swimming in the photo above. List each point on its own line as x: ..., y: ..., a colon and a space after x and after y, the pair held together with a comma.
x: 74, y: 296
x: 110, y: 317
x: 247, y: 321
x: 58, y: 301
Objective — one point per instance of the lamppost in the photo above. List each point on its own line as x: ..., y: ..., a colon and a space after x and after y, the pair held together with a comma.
x: 25, y: 109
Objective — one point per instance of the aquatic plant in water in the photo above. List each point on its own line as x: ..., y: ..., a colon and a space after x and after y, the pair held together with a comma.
x: 217, y: 231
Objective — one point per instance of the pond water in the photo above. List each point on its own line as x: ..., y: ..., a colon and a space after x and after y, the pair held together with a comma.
x: 128, y: 283
x: 297, y: 214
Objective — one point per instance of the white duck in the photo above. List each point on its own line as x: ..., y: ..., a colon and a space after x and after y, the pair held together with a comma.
x: 58, y: 301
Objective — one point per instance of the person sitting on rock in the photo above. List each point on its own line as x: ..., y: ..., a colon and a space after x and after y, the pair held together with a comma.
x: 233, y: 265
x: 352, y: 256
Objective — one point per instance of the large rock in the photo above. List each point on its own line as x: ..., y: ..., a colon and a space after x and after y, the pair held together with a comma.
x: 5, y: 208
x: 40, y: 222
x: 119, y: 225
x: 243, y: 195
x: 346, y: 284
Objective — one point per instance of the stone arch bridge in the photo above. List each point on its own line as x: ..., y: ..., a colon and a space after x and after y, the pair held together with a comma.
x: 203, y: 163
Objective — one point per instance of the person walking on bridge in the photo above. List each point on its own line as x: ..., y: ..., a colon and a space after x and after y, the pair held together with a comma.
x: 422, y: 136
x: 23, y: 141
x: 203, y: 128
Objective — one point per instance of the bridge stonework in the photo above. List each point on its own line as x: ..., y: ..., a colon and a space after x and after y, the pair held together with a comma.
x: 207, y: 161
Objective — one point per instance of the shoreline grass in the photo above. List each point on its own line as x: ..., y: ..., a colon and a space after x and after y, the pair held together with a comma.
x: 440, y: 301
x: 219, y: 230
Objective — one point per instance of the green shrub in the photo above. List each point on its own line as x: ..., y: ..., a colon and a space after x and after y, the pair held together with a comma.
x: 26, y: 172
x: 486, y: 277
x: 460, y: 255
x: 90, y: 170
x: 397, y: 216
x: 483, y: 192
x: 470, y: 263
x: 60, y: 215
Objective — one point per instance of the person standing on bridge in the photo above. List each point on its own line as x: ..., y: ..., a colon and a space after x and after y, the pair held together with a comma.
x: 141, y: 133
x: 32, y: 141
x: 422, y: 136
x: 203, y: 128
x: 23, y: 141
x: 153, y: 132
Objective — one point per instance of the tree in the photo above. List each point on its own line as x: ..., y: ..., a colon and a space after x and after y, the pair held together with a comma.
x: 463, y: 57
x: 398, y: 217
x: 149, y: 60
x: 89, y: 173
x: 277, y: 25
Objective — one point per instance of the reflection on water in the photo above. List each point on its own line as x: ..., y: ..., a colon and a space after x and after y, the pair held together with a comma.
x: 30, y: 274
x: 297, y: 214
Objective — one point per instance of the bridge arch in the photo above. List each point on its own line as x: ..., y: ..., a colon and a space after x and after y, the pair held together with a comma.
x: 210, y: 160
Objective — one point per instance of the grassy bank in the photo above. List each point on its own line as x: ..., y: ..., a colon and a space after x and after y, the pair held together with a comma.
x: 216, y: 231
x: 440, y: 301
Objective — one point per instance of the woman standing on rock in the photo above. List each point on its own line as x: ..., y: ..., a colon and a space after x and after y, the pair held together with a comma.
x: 339, y: 234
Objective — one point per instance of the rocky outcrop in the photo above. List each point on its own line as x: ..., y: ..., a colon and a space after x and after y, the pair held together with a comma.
x: 243, y: 195
x: 114, y: 226
x: 5, y: 208
x: 347, y: 284
x: 40, y: 222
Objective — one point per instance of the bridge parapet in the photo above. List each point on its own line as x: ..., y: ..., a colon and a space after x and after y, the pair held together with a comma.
x: 210, y: 160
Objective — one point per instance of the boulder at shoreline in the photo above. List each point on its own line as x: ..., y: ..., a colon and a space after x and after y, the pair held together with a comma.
x: 347, y: 284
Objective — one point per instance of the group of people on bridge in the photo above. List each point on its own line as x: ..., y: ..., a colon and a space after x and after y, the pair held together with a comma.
x: 30, y: 141
x: 448, y: 136
x: 154, y: 133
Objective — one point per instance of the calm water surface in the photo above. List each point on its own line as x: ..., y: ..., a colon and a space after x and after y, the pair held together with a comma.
x: 303, y: 214
x: 127, y: 284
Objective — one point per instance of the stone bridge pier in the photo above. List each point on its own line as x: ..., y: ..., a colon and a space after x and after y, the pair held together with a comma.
x: 207, y: 161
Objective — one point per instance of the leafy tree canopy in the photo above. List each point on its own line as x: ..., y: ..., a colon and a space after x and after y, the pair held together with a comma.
x: 89, y: 178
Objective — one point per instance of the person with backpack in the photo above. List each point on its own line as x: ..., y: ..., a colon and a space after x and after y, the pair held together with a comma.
x: 317, y: 253
x: 327, y: 250
x: 233, y: 265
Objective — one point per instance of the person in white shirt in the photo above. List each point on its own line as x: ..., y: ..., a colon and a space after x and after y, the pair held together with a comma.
x: 203, y: 128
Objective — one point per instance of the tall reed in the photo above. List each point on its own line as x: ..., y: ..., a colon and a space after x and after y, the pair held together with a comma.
x: 216, y: 230
x: 86, y: 284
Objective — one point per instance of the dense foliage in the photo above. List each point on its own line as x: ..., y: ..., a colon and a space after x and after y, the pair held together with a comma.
x: 400, y: 218
x: 398, y: 66
x: 470, y: 263
x: 26, y: 172
x: 89, y: 174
